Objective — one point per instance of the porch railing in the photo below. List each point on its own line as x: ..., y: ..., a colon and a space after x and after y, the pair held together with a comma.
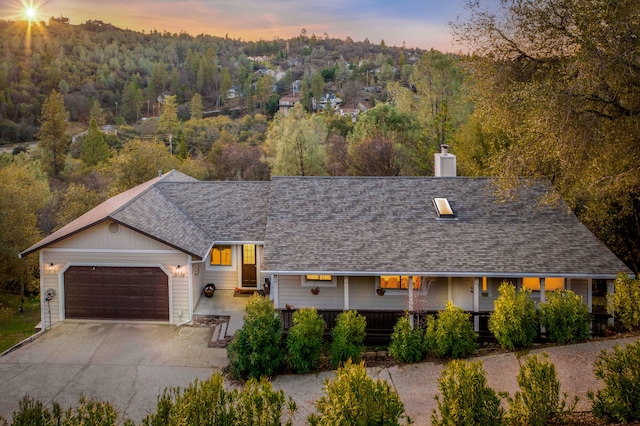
x: 380, y: 324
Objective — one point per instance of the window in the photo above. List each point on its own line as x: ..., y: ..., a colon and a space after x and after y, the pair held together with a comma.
x: 319, y: 277
x: 221, y: 256
x: 318, y: 280
x: 398, y: 282
x: 550, y: 284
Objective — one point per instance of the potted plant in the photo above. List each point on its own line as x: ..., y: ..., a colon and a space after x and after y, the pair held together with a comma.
x: 315, y: 290
x: 380, y: 291
x: 209, y: 289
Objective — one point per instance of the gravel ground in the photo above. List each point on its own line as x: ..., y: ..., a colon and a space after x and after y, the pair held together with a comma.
x: 417, y: 384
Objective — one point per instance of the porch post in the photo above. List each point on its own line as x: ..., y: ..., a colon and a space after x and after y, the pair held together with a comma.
x: 476, y: 303
x: 346, y: 293
x: 590, y: 294
x: 542, y: 297
x: 610, y: 290
x: 411, y: 295
x: 274, y: 290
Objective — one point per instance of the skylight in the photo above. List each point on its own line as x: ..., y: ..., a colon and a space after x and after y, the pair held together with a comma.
x: 443, y: 208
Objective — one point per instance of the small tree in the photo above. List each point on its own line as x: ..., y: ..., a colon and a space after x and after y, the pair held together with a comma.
x: 348, y: 337
x: 256, y: 349
x: 624, y: 304
x: 353, y: 398
x: 304, y: 342
x: 451, y: 333
x: 619, y: 400
x: 538, y: 402
x: 466, y: 399
x: 406, y: 342
x: 94, y: 148
x: 209, y: 403
x: 514, y: 321
x: 565, y: 317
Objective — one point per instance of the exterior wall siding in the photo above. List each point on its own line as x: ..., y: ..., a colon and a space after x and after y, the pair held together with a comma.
x: 223, y: 279
x: 291, y: 292
x: 100, y: 238
x: 363, y: 296
x: 581, y: 288
x: 437, y: 295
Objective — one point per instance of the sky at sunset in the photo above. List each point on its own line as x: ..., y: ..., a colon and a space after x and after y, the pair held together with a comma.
x: 417, y: 23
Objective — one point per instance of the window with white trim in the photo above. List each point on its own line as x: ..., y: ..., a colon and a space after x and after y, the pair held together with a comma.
x: 319, y: 280
x: 397, y: 282
x: 221, y: 255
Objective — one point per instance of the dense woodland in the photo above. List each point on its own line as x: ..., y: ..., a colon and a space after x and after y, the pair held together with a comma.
x: 551, y: 91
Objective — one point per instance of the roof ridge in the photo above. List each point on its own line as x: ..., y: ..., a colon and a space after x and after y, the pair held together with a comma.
x: 181, y: 210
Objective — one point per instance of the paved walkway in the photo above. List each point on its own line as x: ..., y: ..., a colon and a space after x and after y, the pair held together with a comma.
x: 131, y: 364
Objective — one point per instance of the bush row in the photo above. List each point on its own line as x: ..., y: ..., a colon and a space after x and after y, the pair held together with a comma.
x: 257, y: 348
x: 353, y: 398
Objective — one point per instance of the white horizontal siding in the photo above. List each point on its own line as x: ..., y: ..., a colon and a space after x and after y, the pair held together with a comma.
x: 180, y: 299
x: 437, y: 294
x: 99, y: 237
x: 223, y: 279
x: 581, y: 288
x: 291, y: 292
x: 363, y: 296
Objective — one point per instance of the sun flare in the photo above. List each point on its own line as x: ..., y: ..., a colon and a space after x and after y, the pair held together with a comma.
x: 31, y: 13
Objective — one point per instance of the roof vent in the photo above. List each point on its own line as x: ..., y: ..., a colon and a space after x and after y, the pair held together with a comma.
x: 443, y: 208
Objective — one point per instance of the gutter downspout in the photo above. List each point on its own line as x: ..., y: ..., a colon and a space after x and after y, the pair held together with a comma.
x: 190, y: 263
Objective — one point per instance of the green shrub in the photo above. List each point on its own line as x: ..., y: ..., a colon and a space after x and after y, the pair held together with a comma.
x: 465, y: 398
x: 353, y: 398
x: 565, y: 317
x: 256, y: 349
x: 619, y: 399
x: 348, y: 337
x: 406, y: 342
x: 624, y: 303
x: 209, y: 403
x: 304, y: 343
x: 514, y: 321
x: 451, y: 334
x: 538, y: 402
x: 87, y: 412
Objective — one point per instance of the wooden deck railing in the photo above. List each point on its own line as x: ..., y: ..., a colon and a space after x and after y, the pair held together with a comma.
x: 380, y: 324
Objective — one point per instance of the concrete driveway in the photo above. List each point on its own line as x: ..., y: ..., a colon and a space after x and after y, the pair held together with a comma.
x: 128, y: 365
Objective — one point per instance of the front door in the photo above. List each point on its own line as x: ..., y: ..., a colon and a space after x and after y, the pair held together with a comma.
x: 249, y: 270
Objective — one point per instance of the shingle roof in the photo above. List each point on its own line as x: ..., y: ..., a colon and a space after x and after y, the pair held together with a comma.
x: 182, y: 212
x: 389, y: 225
x: 362, y: 225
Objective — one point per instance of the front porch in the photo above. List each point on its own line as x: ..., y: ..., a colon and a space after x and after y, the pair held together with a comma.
x: 225, y: 307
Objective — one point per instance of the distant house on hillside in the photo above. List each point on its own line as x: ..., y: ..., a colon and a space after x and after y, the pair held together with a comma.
x: 287, y: 102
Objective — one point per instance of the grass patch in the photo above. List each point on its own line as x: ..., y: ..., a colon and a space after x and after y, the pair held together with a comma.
x: 15, y: 326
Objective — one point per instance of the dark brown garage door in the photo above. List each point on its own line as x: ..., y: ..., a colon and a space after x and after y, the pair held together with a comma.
x: 125, y: 293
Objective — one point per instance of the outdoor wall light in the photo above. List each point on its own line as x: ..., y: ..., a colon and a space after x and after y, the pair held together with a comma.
x: 52, y: 268
x: 178, y: 272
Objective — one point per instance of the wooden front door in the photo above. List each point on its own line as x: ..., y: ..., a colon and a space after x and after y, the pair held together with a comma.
x: 249, y: 270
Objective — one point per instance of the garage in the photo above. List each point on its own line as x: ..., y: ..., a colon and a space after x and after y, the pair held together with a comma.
x: 116, y: 293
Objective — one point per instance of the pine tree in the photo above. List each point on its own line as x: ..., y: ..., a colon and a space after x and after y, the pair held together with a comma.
x: 94, y: 148
x: 52, y: 140
x: 196, y: 107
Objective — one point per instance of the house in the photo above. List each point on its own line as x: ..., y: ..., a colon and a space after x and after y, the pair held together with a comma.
x: 287, y: 102
x: 367, y: 243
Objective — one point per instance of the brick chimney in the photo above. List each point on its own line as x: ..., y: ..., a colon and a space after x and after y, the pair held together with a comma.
x: 445, y: 163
